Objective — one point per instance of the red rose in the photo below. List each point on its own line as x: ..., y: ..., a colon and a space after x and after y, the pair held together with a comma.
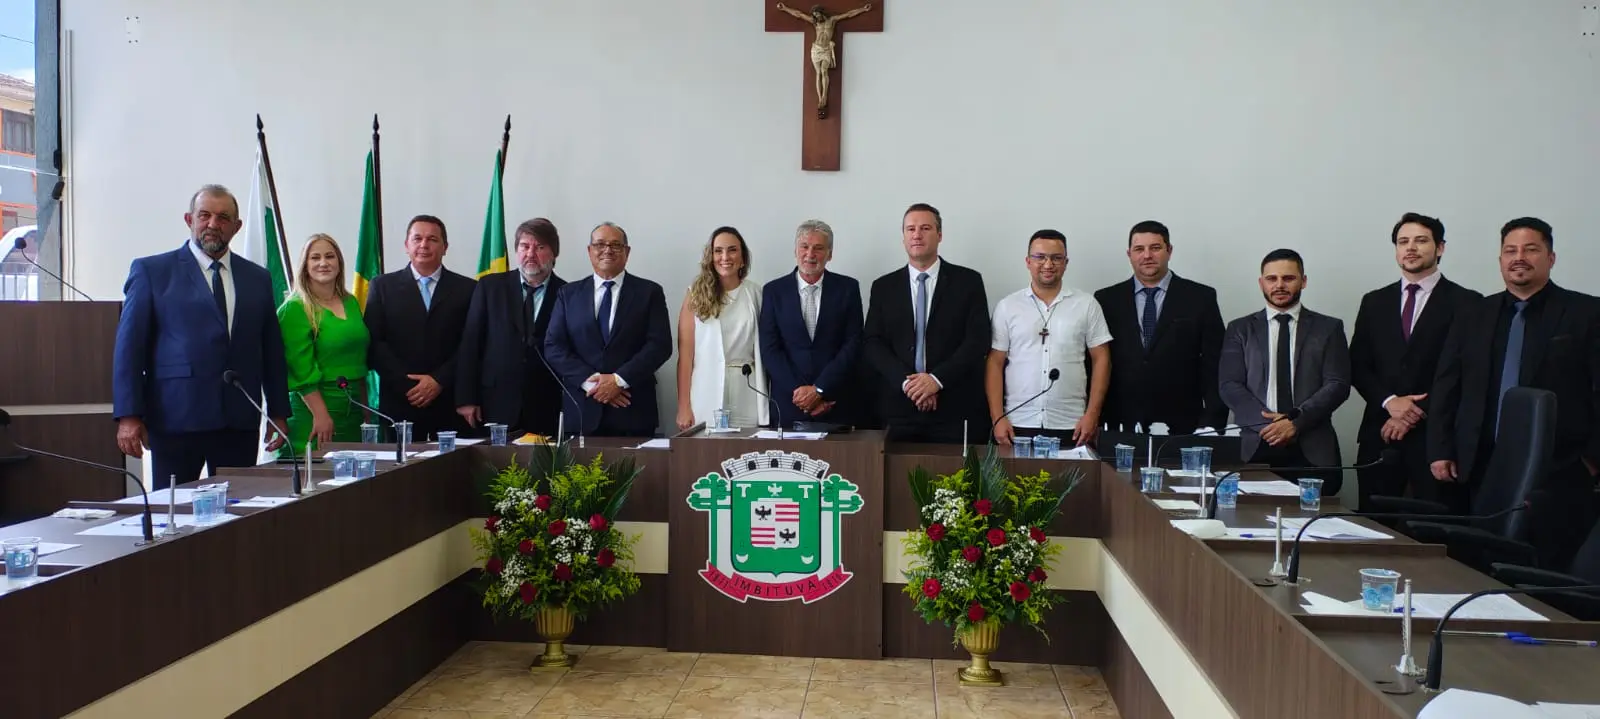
x: 493, y: 566
x: 526, y: 547
x: 597, y: 523
x: 605, y: 558
x: 1019, y: 592
x: 983, y: 507
x: 528, y: 592
x: 492, y: 524
x: 931, y: 587
x: 1037, y: 535
x: 542, y: 502
x: 996, y: 536
x: 972, y: 554
x: 558, y: 528
x: 975, y: 612
x: 936, y: 531
x: 563, y: 573
x: 1037, y: 575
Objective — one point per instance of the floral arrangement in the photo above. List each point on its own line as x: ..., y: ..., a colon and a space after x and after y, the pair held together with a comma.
x: 980, y: 554
x: 551, y: 540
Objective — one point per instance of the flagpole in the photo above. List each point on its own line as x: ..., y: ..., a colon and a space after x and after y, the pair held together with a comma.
x: 377, y: 187
x: 505, y: 141
x: 277, y: 209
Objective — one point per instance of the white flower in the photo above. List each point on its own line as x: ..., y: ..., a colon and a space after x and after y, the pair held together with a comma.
x: 588, y: 544
x: 564, y: 557
x: 577, y: 525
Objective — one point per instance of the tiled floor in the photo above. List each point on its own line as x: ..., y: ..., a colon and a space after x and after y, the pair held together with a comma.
x: 491, y: 680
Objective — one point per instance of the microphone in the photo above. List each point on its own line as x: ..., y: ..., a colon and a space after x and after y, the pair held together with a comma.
x: 22, y: 244
x: 1293, y: 575
x: 1290, y: 415
x: 232, y: 377
x: 1430, y: 682
x: 777, y: 418
x: 563, y: 385
x: 1055, y: 374
x: 146, y: 523
x: 1389, y: 456
x: 399, y: 447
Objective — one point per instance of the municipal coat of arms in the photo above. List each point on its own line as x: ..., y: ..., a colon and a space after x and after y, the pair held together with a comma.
x: 774, y: 526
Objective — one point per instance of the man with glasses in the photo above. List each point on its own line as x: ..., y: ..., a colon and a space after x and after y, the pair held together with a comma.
x: 608, y: 335
x: 1042, y: 328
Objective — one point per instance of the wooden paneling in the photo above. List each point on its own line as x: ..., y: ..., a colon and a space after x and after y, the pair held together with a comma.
x: 1130, y: 686
x: 39, y: 485
x: 846, y: 623
x: 58, y: 352
x: 1076, y: 629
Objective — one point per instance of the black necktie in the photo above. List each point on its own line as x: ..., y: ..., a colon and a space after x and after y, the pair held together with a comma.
x: 1285, y: 398
x: 527, y: 313
x: 1147, y: 321
x: 217, y: 292
x: 605, y: 312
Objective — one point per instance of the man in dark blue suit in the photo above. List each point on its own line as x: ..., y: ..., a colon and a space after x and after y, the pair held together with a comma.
x: 811, y: 333
x: 188, y: 316
x: 608, y: 335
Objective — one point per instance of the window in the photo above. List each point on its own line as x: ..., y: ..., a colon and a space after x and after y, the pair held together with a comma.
x: 18, y: 132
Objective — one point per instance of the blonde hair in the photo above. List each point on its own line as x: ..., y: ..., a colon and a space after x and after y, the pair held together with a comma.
x: 302, y: 280
x: 706, y: 296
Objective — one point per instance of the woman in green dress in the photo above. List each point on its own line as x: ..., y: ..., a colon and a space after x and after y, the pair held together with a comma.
x: 325, y: 339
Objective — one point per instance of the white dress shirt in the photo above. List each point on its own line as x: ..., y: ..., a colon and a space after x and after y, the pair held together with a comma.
x: 1076, y: 324
x: 933, y: 279
x: 433, y: 284
x: 616, y: 296
x: 1271, y: 400
x: 227, y: 277
x: 1424, y: 291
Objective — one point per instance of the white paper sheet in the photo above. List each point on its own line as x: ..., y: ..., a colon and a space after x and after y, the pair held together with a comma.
x: 1267, y: 533
x: 1191, y: 490
x: 185, y: 496
x: 53, y: 547
x: 773, y: 434
x: 1270, y: 488
x: 337, y: 482
x: 1464, y: 704
x: 1176, y: 504
x: 1084, y: 452
x: 723, y: 430
x: 1569, y: 711
x: 1330, y: 528
x: 131, y: 527
x: 1428, y: 606
x: 388, y: 456
x: 657, y: 443
x: 464, y: 442
x: 259, y: 501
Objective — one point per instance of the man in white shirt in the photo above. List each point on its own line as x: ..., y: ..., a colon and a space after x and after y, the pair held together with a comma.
x: 1041, y: 329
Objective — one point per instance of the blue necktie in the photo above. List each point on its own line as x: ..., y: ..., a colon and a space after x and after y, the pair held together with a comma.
x: 427, y: 294
x: 1511, y: 369
x: 922, y: 322
x: 217, y: 293
x: 605, y: 312
x: 1147, y: 321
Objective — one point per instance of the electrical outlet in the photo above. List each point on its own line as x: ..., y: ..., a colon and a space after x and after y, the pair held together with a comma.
x: 130, y: 26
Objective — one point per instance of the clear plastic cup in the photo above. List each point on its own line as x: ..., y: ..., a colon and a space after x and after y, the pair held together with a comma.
x: 497, y: 435
x: 1124, y: 458
x: 1152, y: 479
x: 447, y: 442
x: 1022, y: 446
x: 1228, y: 492
x: 344, y: 465
x: 1378, y: 588
x: 366, y: 465
x: 1196, y: 460
x: 207, y: 505
x: 1310, y: 494
x: 21, y: 557
x: 369, y: 433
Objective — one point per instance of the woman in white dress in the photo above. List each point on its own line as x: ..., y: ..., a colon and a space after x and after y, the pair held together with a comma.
x: 717, y: 338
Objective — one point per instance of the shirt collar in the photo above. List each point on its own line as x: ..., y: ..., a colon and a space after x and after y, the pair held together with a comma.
x: 1063, y: 294
x: 1165, y: 283
x: 415, y: 275
x: 1293, y: 312
x: 800, y: 279
x: 599, y: 282
x: 205, y: 260
x: 1427, y: 283
x: 933, y: 270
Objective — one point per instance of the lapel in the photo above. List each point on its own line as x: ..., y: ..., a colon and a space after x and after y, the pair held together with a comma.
x: 790, y: 296
x: 1125, y: 320
x: 1389, y: 325
x: 1536, y: 334
x: 1176, y: 294
x: 542, y: 321
x: 1261, y: 335
x: 412, y: 295
x: 1309, y: 323
x: 188, y: 267
x: 512, y: 302
x: 625, y: 303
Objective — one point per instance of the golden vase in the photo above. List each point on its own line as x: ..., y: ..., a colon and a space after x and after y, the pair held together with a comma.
x: 980, y: 640
x: 554, y: 625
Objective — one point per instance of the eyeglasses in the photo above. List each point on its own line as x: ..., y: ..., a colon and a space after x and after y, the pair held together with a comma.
x: 1043, y: 258
x: 608, y: 246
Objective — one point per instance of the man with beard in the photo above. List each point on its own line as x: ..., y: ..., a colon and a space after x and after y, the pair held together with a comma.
x: 1534, y: 334
x: 1290, y: 365
x: 811, y: 334
x: 188, y: 316
x: 1394, y: 352
x: 1041, y: 328
x: 503, y: 375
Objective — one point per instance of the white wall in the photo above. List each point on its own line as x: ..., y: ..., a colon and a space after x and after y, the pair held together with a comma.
x: 1245, y: 125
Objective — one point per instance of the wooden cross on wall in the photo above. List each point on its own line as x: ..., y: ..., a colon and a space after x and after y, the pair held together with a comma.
x: 819, y: 138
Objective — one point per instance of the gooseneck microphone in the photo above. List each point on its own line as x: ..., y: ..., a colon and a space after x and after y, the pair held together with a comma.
x: 563, y: 385
x: 1430, y: 681
x: 232, y: 377
x: 22, y: 244
x: 1055, y: 374
x: 1293, y: 574
x: 146, y: 523
x: 777, y: 419
x: 399, y: 447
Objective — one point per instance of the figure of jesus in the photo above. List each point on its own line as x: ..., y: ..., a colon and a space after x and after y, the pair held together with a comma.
x: 823, y: 58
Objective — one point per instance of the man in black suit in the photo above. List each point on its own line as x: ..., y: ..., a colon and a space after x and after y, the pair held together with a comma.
x: 608, y: 335
x: 1166, y: 337
x: 1534, y: 334
x: 503, y: 376
x: 415, y: 317
x: 1394, y: 353
x: 927, y: 337
x: 811, y: 334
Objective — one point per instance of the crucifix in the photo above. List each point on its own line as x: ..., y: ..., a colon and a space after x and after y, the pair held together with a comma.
x: 819, y: 143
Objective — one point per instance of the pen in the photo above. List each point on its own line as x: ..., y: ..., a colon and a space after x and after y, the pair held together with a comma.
x: 1523, y: 638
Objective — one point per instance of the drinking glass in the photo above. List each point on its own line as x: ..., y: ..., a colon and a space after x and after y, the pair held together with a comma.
x: 1378, y: 588
x: 1310, y: 494
x: 22, y: 557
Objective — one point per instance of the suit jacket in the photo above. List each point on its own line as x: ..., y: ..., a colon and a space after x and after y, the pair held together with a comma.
x: 957, y: 344
x: 794, y: 359
x: 641, y: 341
x: 494, y: 370
x: 1383, y: 364
x: 173, y: 346
x: 1561, y: 353
x: 411, y: 338
x: 1174, y: 380
x: 1321, y: 380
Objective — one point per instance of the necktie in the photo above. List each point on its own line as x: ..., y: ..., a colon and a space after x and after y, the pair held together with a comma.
x: 217, y: 293
x: 1285, y: 398
x: 1408, y: 315
x: 427, y: 292
x: 605, y: 312
x: 922, y: 322
x: 1511, y: 369
x: 1147, y: 321
x: 809, y: 309
x: 529, y: 314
